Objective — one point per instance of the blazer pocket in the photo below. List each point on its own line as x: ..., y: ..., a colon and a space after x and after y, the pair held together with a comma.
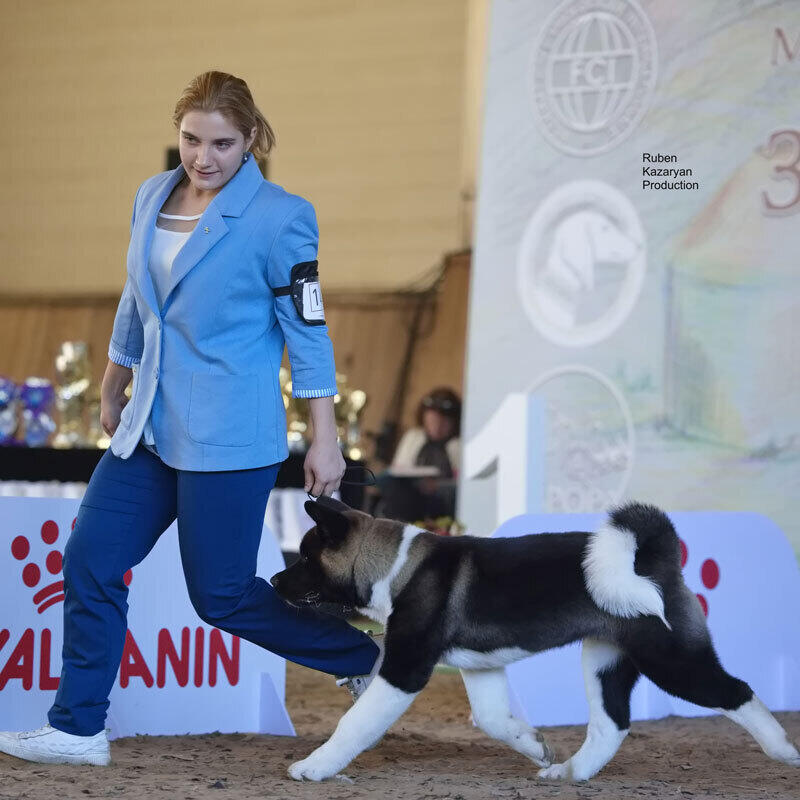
x: 223, y: 409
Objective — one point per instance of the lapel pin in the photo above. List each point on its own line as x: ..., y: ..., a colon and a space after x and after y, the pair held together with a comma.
x: 206, y: 230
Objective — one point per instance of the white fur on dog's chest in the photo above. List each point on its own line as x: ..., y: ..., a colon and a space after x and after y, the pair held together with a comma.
x: 380, y: 601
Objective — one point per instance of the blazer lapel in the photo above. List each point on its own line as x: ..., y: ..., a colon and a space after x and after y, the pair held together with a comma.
x: 231, y: 201
x: 209, y: 230
x: 148, y: 216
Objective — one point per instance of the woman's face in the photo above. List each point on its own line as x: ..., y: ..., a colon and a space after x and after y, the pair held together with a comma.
x: 438, y: 427
x: 211, y: 149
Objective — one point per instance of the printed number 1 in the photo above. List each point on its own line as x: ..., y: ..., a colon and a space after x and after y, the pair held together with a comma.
x: 510, y: 444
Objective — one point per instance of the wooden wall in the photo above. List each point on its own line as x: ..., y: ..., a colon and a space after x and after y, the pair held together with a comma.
x: 369, y: 332
x: 370, y: 99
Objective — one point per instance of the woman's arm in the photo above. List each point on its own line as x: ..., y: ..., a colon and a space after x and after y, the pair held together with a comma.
x: 324, y: 465
x: 309, y: 348
x: 112, y: 395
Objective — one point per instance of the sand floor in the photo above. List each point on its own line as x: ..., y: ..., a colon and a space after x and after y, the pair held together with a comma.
x: 433, y: 752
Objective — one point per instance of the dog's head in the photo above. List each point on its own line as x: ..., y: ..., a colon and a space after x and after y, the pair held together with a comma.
x: 340, y: 557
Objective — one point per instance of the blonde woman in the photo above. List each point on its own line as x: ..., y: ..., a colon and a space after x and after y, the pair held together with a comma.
x: 222, y: 273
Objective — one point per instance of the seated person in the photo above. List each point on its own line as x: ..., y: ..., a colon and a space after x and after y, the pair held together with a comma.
x: 435, y: 442
x: 410, y: 495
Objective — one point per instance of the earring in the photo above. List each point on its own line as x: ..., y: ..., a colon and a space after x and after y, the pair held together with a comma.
x: 245, y: 156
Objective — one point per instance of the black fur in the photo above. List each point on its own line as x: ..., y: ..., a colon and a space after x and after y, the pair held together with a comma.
x: 617, y: 683
x: 529, y: 592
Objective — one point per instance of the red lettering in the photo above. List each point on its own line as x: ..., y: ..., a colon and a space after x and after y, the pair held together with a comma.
x: 166, y: 650
x: 198, y: 657
x: 230, y: 663
x: 780, y: 38
x: 20, y: 662
x: 133, y: 664
x: 46, y: 680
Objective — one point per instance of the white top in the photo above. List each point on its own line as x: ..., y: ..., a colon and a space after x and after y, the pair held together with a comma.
x: 411, y: 442
x: 176, y: 216
x: 166, y: 245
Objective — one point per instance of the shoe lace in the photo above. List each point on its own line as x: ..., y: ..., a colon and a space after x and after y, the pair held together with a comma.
x: 38, y: 732
x: 354, y: 685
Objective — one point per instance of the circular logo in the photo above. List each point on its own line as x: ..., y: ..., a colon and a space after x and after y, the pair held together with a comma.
x: 588, y: 439
x: 593, y: 73
x: 581, y: 263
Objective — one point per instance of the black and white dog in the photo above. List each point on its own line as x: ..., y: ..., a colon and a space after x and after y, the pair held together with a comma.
x: 479, y: 604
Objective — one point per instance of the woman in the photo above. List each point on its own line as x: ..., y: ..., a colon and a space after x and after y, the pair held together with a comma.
x: 434, y: 444
x: 435, y: 441
x: 221, y: 272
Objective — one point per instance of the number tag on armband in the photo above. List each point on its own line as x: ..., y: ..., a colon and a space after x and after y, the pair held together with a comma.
x: 312, y: 302
x: 305, y: 293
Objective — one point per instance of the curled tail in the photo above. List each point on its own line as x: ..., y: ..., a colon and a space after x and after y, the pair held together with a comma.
x: 630, y: 559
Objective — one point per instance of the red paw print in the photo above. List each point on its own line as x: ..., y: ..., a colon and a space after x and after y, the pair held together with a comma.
x: 53, y: 592
x: 709, y: 574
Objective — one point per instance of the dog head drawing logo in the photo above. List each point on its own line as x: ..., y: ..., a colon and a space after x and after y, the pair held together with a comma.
x: 581, y: 263
x: 581, y: 244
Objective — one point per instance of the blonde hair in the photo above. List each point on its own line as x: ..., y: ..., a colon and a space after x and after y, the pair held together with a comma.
x: 220, y: 91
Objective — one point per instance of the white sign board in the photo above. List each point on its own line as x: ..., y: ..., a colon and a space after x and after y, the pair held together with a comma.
x: 177, y: 674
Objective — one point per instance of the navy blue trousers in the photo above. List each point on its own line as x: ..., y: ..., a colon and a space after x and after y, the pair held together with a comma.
x: 128, y: 504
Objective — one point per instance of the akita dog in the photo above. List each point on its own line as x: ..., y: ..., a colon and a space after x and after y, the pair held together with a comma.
x: 479, y: 604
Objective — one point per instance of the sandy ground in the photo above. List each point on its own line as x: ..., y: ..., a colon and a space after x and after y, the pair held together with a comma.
x: 433, y: 752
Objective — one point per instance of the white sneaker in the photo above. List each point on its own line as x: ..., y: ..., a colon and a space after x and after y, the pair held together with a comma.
x: 357, y: 684
x: 48, y: 745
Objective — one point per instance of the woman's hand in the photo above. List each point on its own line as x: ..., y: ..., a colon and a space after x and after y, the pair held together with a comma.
x: 324, y: 468
x: 111, y: 411
x: 112, y: 395
x: 324, y: 465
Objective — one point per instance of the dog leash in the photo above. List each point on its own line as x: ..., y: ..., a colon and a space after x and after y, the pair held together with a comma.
x: 373, y: 482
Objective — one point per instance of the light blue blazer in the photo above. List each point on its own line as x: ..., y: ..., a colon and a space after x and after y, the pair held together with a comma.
x: 206, y: 363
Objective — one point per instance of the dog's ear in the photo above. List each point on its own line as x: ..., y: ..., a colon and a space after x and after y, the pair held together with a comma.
x: 332, y: 524
x: 331, y: 502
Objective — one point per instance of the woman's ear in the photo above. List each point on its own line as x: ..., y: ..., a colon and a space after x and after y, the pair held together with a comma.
x: 332, y: 524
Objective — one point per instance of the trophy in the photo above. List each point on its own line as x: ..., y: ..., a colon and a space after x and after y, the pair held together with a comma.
x: 348, y: 406
x: 73, y: 378
x: 37, y: 396
x: 95, y: 435
x: 8, y: 411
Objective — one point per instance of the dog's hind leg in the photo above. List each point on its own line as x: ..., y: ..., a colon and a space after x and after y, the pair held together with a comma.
x: 756, y: 719
x: 487, y: 690
x: 694, y: 673
x: 609, y: 677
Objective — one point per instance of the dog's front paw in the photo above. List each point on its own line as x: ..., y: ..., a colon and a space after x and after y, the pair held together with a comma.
x: 310, y: 769
x: 557, y: 771
x: 792, y: 757
x: 546, y: 759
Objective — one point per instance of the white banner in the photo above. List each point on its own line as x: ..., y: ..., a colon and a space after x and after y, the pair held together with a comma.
x: 177, y: 675
x: 744, y: 572
x: 635, y: 286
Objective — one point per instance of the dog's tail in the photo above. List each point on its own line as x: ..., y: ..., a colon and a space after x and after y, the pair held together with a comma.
x: 630, y: 560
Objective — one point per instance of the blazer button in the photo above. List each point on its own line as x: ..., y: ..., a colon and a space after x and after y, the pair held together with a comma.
x: 155, y: 373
